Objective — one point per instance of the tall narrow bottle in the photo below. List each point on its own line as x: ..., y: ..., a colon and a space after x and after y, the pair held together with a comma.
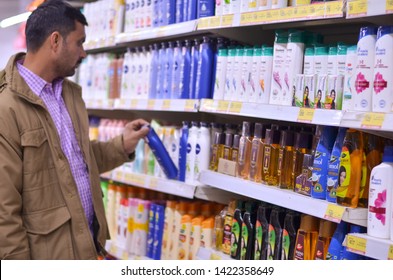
x: 226, y: 241
x: 228, y: 146
x: 262, y: 232
x: 235, y: 148
x: 306, y: 238
x: 291, y: 226
x: 276, y: 225
x: 326, y: 231
x: 373, y: 157
x: 218, y: 150
x: 302, y: 146
x: 350, y: 171
x: 243, y: 163
x: 257, y: 146
x: 285, y: 159
x: 270, y: 157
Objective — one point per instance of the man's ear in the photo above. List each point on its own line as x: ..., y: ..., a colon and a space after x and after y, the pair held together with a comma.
x: 55, y: 40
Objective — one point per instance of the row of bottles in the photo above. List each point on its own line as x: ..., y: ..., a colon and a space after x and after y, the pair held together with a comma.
x: 169, y: 70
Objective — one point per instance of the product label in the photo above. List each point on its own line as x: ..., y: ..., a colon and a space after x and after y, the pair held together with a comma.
x: 286, y: 243
x: 344, y: 173
x: 299, y: 248
x: 303, y: 183
x: 377, y: 202
x: 332, y: 177
x: 319, y: 172
x: 254, y: 153
x: 319, y: 250
x: 266, y: 159
x: 363, y: 181
x: 226, y: 241
x: 235, y: 155
x: 258, y: 240
x: 272, y: 243
x: 280, y: 161
x: 244, y: 242
x: 235, y: 237
x: 242, y: 147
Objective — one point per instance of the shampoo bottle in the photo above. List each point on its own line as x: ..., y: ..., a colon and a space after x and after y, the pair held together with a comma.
x: 262, y: 232
x: 336, y: 248
x: 291, y: 226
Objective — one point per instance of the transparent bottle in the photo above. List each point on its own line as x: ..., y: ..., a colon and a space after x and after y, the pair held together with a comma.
x: 218, y: 150
x: 235, y: 148
x: 306, y: 239
x: 228, y: 146
x: 257, y: 146
x: 285, y: 159
x: 270, y: 157
x: 243, y: 163
x: 303, y: 142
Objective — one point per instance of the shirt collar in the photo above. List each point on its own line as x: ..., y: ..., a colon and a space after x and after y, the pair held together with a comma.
x: 37, y: 84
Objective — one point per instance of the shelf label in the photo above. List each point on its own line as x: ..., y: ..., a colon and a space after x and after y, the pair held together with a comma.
x: 189, y: 106
x: 134, y: 103
x: 357, y: 8
x: 153, y: 183
x: 356, y: 244
x: 138, y: 180
x: 306, y: 115
x: 373, y: 120
x: 215, y: 22
x: 390, y: 252
x: 128, y: 177
x: 151, y: 104
x: 208, y: 105
x: 389, y: 6
x: 124, y: 256
x: 222, y: 106
x: 203, y: 23
x: 118, y: 175
x: 334, y: 8
x: 235, y: 107
x: 215, y: 256
x: 166, y: 104
x: 227, y: 20
x: 334, y: 213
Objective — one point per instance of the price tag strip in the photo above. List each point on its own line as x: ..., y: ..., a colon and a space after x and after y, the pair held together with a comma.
x: 356, y: 244
x: 373, y: 120
x: 334, y: 213
x: 306, y: 115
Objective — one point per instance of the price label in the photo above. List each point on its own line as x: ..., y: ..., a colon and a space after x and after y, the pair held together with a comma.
x: 356, y: 244
x: 261, y: 16
x: 134, y: 103
x: 124, y: 256
x: 227, y: 20
x: 113, y: 249
x: 235, y: 107
x: 275, y: 15
x: 99, y: 103
x: 390, y: 253
x: 306, y: 115
x: 189, y: 105
x: 153, y: 183
x: 373, y: 120
x: 208, y: 105
x: 118, y: 175
x: 215, y: 256
x: 203, y: 23
x: 222, y: 106
x: 128, y: 177
x: 166, y: 104
x: 334, y: 8
x: 215, y: 22
x: 334, y: 213
x: 290, y: 13
x: 302, y: 12
x: 389, y: 6
x: 138, y: 180
x: 357, y: 8
x: 151, y: 104
x: 243, y: 19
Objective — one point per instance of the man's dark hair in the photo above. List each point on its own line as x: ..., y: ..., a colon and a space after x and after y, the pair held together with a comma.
x: 51, y: 16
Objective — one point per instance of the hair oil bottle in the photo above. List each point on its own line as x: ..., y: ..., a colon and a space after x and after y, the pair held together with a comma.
x: 243, y: 163
x: 302, y: 146
x: 276, y: 224
x: 227, y: 154
x: 350, y: 172
x: 235, y: 148
x: 226, y: 240
x: 285, y: 159
x: 326, y: 231
x: 291, y: 226
x: 262, y: 232
x: 257, y: 146
x: 217, y: 151
x: 373, y: 157
x: 270, y: 157
x: 306, y: 238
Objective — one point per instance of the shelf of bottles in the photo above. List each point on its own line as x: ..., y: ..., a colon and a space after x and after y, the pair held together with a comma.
x: 316, y: 11
x: 365, y: 245
x: 364, y: 8
x: 150, y: 182
x: 285, y: 198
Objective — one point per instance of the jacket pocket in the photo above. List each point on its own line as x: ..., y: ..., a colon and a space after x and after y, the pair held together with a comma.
x: 49, y: 234
x: 36, y: 151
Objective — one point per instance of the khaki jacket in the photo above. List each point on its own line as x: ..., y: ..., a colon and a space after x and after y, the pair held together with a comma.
x: 41, y: 215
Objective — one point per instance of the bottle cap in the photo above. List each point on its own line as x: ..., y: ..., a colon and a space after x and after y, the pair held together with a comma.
x: 246, y: 129
x: 219, y: 138
x: 258, y: 130
x: 303, y: 140
x: 228, y: 139
x: 309, y: 223
x: 236, y: 141
x: 368, y: 30
x: 268, y: 137
x: 326, y: 228
x: 286, y: 138
x: 307, y: 160
x: 387, y: 154
x: 276, y: 136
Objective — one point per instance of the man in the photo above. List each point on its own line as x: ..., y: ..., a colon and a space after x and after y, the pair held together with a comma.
x: 51, y: 202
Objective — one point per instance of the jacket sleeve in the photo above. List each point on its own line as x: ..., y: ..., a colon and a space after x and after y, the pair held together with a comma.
x: 109, y: 155
x: 13, y: 237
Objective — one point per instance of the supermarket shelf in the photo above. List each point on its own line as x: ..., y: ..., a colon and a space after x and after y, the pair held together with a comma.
x: 211, y: 254
x: 151, y: 183
x: 172, y: 105
x: 120, y: 253
x: 366, y: 8
x: 213, y: 194
x: 274, y: 112
x: 102, y: 104
x: 368, y: 120
x: 363, y: 244
x: 328, y: 10
x: 100, y: 44
x: 285, y: 198
x: 162, y: 32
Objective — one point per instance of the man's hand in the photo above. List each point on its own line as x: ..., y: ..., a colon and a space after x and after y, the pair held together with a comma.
x: 133, y: 132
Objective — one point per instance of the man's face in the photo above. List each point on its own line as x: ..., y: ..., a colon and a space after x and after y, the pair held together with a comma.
x: 71, y: 52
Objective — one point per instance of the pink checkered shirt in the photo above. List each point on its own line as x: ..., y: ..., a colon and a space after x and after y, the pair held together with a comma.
x: 50, y: 93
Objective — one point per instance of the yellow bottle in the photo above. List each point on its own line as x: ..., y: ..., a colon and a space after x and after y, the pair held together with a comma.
x: 285, y: 159
x: 243, y: 163
x: 270, y: 157
x: 207, y: 233
x: 227, y: 154
x: 180, y: 210
x: 326, y: 231
x: 195, y: 236
x: 350, y: 172
x: 217, y: 151
x: 303, y: 142
x: 184, y: 237
x: 168, y: 225
x: 306, y: 239
x: 257, y: 146
x: 226, y: 240
x: 372, y: 157
x: 218, y: 232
